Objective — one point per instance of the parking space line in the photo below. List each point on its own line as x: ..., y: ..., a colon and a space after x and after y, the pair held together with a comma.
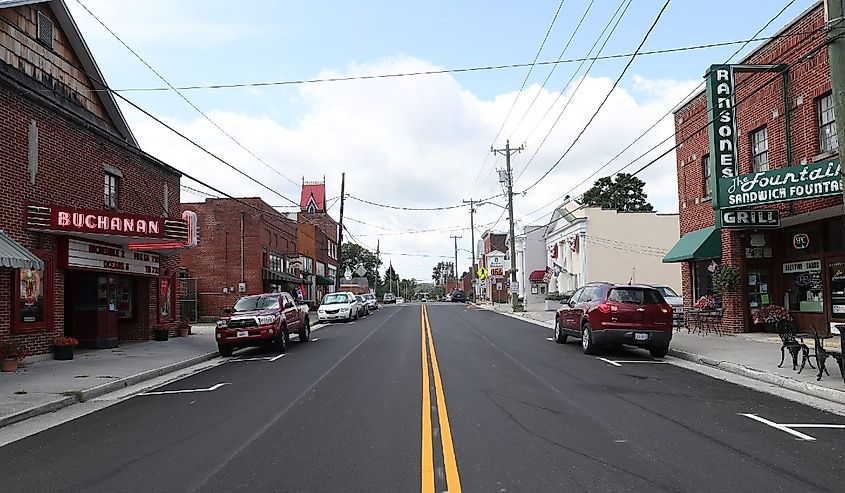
x: 609, y: 361
x: 779, y: 426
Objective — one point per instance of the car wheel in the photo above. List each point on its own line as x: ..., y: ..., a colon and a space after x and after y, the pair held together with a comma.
x: 305, y: 331
x: 560, y: 337
x: 658, y: 351
x: 587, y: 344
x: 225, y: 350
x: 281, y: 342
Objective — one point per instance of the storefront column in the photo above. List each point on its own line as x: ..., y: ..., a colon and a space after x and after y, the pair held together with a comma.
x: 733, y: 301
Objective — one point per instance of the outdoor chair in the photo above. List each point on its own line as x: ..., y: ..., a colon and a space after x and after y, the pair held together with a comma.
x: 822, y: 354
x: 788, y: 334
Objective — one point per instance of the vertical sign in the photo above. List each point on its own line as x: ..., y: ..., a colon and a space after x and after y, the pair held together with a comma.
x: 722, y: 125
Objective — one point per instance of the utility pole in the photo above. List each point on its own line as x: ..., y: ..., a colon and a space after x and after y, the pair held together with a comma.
x: 340, y: 235
x: 835, y: 29
x: 507, y: 151
x: 472, y: 239
x: 455, y: 269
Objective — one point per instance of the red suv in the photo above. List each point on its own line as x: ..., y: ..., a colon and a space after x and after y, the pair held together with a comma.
x: 607, y: 314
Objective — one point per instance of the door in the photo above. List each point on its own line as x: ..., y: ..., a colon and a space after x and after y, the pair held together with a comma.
x: 566, y: 319
x: 289, y: 310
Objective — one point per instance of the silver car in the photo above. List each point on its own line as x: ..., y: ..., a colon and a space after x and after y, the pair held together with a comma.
x: 371, y: 301
x: 675, y: 300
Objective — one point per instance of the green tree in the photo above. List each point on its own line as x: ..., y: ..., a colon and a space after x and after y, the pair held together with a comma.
x: 441, y: 272
x: 352, y: 256
x: 391, y: 280
x: 624, y: 193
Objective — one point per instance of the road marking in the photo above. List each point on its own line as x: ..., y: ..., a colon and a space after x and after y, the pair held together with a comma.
x: 185, y: 391
x: 427, y: 485
x: 453, y: 479
x: 550, y: 339
x: 608, y: 361
x: 274, y: 358
x: 780, y: 427
x: 259, y: 358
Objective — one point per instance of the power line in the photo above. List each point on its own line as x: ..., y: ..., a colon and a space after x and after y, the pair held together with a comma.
x: 404, y: 208
x: 607, y: 96
x: 229, y: 136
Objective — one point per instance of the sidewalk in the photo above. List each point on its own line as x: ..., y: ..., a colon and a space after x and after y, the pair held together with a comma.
x: 43, y: 385
x: 753, y: 355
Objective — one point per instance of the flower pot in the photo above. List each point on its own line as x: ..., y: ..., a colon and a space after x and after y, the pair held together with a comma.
x: 63, y: 353
x: 184, y: 332
x: 160, y: 334
x: 8, y: 365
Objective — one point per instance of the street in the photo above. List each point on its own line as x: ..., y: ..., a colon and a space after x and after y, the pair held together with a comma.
x: 510, y: 410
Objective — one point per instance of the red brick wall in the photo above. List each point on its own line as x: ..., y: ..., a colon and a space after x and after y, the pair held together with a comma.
x: 759, y: 101
x: 216, y: 261
x: 70, y: 172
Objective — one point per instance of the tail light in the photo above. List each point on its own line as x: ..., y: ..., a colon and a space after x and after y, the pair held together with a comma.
x: 607, y: 308
x: 666, y: 309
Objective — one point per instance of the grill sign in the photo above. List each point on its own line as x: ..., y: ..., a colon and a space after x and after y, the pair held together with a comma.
x: 737, y: 218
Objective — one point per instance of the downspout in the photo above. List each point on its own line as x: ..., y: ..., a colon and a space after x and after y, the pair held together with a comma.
x: 787, y: 114
x: 242, y: 246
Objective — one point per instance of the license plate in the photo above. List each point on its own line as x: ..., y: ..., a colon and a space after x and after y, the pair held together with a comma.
x: 243, y: 333
x: 640, y: 337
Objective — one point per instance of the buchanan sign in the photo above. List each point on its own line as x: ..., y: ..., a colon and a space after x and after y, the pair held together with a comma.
x: 781, y: 185
x: 62, y: 219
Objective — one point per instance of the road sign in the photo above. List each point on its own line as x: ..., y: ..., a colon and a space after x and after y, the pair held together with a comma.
x: 360, y: 271
x: 482, y: 272
x: 745, y: 218
x: 498, y: 286
x: 513, y: 287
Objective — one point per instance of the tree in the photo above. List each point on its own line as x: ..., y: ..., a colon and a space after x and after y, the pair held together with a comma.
x: 352, y: 256
x: 624, y: 194
x: 391, y: 281
x: 441, y: 272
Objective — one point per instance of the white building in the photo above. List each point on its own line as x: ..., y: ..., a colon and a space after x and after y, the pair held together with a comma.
x: 531, y: 256
x: 594, y: 244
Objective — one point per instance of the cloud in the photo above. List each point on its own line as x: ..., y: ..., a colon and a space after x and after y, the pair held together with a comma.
x: 420, y: 142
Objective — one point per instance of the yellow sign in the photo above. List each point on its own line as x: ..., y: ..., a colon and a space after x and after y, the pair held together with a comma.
x: 482, y: 272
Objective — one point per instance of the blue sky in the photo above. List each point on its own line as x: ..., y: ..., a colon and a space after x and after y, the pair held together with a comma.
x: 417, y: 141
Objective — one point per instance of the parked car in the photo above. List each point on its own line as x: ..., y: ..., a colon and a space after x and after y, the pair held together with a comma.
x: 458, y: 296
x: 610, y: 314
x: 264, y: 319
x: 338, y: 306
x: 371, y: 301
x: 675, y: 300
x: 400, y: 300
x: 388, y: 298
x: 363, y: 306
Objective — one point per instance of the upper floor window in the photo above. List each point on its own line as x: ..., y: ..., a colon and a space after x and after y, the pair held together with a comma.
x: 110, y: 193
x: 827, y: 124
x: 705, y: 166
x: 760, y: 150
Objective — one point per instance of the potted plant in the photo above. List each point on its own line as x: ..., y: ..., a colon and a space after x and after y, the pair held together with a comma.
x: 63, y: 348
x: 725, y: 279
x: 769, y: 315
x: 11, y: 352
x: 160, y: 333
x: 184, y: 328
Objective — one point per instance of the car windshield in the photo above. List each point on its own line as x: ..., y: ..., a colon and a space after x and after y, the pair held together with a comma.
x: 335, y: 299
x: 667, y: 291
x: 251, y: 303
x: 635, y: 296
x: 359, y: 298
x: 369, y: 296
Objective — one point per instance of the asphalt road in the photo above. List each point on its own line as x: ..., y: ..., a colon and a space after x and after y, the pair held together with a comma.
x: 507, y: 410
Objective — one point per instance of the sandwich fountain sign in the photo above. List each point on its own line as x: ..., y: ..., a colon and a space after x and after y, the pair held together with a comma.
x: 781, y: 185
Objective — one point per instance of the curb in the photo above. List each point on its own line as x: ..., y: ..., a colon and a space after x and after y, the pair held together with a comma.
x: 88, y: 394
x: 811, y: 389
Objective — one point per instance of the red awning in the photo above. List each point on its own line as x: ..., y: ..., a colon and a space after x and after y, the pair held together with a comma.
x: 537, y: 276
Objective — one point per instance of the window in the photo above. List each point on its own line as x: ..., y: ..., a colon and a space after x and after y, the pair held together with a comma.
x: 827, y: 125
x: 702, y: 273
x: 760, y: 150
x: 705, y: 166
x: 110, y: 196
x: 803, y: 286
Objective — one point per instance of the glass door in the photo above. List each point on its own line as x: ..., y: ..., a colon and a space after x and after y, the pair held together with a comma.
x: 836, y: 276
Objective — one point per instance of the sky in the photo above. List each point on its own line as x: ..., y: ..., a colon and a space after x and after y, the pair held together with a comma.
x: 416, y: 141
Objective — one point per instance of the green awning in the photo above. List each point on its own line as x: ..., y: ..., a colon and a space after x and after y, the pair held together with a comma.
x: 696, y: 245
x: 275, y: 275
x: 324, y: 281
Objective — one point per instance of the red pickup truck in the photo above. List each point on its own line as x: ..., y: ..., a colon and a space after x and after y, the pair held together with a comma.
x: 262, y: 319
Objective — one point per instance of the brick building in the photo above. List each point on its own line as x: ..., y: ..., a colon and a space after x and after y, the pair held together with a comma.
x: 89, y: 218
x: 246, y: 247
x: 493, y: 257
x: 324, y: 255
x: 785, y: 163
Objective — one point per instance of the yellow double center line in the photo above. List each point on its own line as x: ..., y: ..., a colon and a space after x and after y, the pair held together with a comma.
x: 453, y: 480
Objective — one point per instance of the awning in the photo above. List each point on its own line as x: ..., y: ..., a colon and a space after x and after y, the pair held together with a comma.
x: 15, y: 256
x: 275, y: 275
x: 324, y: 281
x: 537, y: 276
x: 696, y: 245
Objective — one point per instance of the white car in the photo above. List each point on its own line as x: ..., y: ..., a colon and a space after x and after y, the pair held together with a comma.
x: 400, y: 300
x: 371, y: 300
x: 338, y: 306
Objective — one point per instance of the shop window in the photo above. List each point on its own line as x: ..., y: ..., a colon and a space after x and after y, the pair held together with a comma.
x: 836, y: 273
x: 760, y: 150
x: 758, y: 288
x: 827, y: 124
x: 758, y: 245
x: 702, y: 274
x: 110, y: 191
x: 32, y: 307
x: 803, y: 286
x: 801, y: 241
x: 124, y: 297
x: 705, y: 167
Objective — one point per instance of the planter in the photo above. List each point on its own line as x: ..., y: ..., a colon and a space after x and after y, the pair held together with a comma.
x: 63, y: 353
x: 9, y: 365
x: 183, y: 332
x: 552, y: 305
x: 160, y: 335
